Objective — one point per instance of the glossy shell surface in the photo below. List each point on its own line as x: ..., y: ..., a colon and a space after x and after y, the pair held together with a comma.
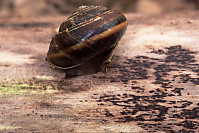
x: 87, y: 33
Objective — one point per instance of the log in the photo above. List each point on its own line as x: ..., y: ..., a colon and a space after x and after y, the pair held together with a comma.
x: 152, y: 83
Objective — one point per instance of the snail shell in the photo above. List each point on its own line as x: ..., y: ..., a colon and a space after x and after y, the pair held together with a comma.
x: 88, y: 36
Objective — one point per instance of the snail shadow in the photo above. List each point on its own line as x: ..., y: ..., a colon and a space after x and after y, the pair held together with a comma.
x: 89, y: 67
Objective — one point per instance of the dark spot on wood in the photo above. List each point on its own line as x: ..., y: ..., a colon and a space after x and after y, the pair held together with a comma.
x: 188, y: 124
x: 159, y: 51
x: 178, y: 91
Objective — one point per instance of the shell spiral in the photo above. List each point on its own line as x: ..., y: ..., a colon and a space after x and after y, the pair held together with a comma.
x: 87, y: 33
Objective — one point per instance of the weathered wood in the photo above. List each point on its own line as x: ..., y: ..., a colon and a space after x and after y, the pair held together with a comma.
x: 152, y: 83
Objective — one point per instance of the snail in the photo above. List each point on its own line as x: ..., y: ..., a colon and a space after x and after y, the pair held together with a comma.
x: 86, y: 41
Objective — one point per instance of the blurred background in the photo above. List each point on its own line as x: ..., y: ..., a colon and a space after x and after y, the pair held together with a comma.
x: 45, y: 7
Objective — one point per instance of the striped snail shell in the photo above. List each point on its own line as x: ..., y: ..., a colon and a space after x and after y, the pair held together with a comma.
x: 89, y: 36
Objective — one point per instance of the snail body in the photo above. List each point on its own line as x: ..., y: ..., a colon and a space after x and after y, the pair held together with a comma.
x: 87, y: 38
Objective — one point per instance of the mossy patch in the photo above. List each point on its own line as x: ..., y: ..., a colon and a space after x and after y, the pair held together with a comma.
x: 23, y: 88
x: 8, y: 127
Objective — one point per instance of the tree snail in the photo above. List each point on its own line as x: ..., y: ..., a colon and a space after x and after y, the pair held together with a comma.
x: 86, y: 41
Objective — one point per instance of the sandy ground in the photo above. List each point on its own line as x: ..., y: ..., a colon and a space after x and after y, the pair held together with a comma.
x: 152, y: 83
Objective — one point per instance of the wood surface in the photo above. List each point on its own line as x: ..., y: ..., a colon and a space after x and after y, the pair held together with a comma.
x: 152, y: 83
